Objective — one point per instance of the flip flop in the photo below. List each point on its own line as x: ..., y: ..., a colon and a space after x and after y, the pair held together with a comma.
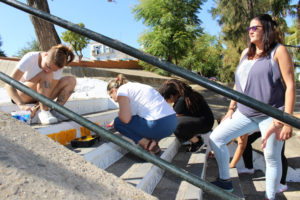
x: 153, y: 147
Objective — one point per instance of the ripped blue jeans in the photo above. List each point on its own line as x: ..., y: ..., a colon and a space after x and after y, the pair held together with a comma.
x: 239, y: 125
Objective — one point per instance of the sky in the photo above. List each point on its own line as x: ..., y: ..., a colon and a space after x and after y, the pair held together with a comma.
x: 112, y: 19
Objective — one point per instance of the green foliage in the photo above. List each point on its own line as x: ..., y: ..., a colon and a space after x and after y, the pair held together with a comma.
x: 204, y: 57
x: 76, y: 41
x: 154, y: 69
x: 1, y: 52
x: 30, y: 46
x: 293, y: 38
x: 173, y: 26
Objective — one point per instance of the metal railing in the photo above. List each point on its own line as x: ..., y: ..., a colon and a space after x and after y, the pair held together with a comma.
x: 218, y: 88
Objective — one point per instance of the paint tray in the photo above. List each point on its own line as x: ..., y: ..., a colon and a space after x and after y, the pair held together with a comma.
x: 85, y: 141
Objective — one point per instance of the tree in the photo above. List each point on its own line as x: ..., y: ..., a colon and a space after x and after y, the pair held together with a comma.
x: 78, y: 42
x: 205, y: 56
x: 294, y: 39
x: 173, y: 26
x: 1, y: 52
x: 44, y: 31
x: 31, y: 46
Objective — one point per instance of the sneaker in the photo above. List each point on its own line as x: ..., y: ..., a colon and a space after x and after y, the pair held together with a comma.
x: 246, y: 171
x: 282, y: 188
x: 224, y: 184
x: 194, y: 147
x: 46, y: 117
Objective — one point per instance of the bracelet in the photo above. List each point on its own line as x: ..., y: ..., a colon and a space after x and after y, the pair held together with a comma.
x: 280, y: 125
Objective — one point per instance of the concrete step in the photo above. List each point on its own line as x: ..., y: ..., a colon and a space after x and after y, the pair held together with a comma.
x: 212, y: 174
x: 144, y: 175
x: 65, y: 131
x: 77, y: 104
x: 256, y: 182
x: 148, y: 177
x: 253, y: 185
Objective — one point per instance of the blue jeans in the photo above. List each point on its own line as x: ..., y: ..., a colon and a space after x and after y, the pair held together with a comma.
x: 139, y: 128
x: 240, y: 125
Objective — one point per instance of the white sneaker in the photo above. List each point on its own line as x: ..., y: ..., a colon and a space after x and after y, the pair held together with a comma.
x: 46, y: 117
x: 246, y: 171
x: 282, y: 188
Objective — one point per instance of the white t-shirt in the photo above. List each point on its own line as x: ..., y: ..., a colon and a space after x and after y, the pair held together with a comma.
x: 145, y: 101
x: 244, y: 70
x: 29, y: 64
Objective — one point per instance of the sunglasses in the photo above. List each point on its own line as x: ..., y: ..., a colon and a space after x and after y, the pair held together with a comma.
x: 253, y: 28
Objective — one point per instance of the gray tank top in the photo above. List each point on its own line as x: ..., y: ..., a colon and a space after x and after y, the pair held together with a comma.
x: 264, y: 83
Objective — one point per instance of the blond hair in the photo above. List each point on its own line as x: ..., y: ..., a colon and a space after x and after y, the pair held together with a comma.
x: 61, y: 55
x: 116, y: 82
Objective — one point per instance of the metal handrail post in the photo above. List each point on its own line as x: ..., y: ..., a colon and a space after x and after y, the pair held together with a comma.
x: 189, y: 177
x: 216, y: 87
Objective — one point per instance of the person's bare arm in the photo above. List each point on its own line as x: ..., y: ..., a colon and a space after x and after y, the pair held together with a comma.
x: 287, y: 70
x: 12, y: 92
x: 283, y: 131
x: 124, y: 109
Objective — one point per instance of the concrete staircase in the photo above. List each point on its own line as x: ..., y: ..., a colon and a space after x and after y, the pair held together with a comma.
x: 148, y: 177
x: 164, y: 185
x: 144, y: 175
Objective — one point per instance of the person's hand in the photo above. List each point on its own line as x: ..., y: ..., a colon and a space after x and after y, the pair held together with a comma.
x: 282, y: 132
x: 111, y: 124
x: 34, y: 109
x: 228, y: 115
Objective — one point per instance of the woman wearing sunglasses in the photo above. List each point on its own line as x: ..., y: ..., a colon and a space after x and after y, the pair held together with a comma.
x: 266, y: 73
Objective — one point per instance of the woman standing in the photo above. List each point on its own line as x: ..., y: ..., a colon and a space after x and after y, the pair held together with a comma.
x: 193, y: 113
x: 144, y: 115
x: 265, y: 73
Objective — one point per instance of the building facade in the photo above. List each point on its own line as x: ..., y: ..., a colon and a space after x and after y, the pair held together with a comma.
x: 101, y: 52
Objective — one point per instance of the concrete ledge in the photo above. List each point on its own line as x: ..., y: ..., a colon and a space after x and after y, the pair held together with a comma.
x: 60, y: 132
x: 80, y: 106
x: 105, y: 155
x: 154, y: 175
x: 187, y: 190
x: 34, y: 167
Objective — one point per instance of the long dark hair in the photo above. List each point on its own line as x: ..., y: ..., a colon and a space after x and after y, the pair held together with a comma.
x: 193, y: 99
x: 270, y: 36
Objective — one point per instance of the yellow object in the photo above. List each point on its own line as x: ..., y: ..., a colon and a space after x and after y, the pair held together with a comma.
x: 64, y: 137
x: 84, y: 131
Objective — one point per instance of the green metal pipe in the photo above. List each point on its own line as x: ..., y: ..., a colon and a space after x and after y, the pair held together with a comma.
x: 195, y: 180
x: 216, y: 87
